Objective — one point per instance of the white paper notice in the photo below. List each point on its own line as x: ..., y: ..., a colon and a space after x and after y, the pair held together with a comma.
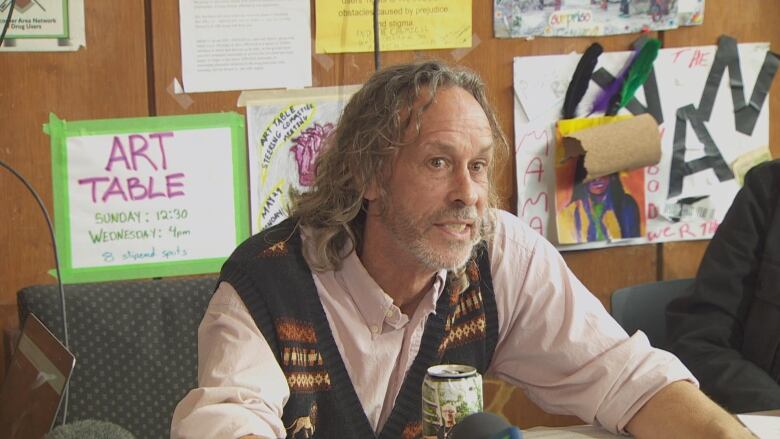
x: 245, y: 44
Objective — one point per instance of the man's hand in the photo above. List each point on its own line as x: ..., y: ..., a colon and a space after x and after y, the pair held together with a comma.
x: 680, y: 410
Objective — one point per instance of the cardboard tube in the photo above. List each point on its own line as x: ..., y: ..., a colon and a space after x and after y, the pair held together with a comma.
x: 623, y: 145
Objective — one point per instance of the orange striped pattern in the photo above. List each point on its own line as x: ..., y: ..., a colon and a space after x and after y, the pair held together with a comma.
x: 295, y: 331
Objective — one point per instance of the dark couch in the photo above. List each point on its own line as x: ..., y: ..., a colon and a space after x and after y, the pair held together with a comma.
x: 135, y: 344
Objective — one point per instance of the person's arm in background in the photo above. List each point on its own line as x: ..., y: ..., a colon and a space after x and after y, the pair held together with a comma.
x: 707, y: 328
x: 242, y: 390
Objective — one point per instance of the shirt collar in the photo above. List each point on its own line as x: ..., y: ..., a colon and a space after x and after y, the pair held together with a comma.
x: 376, y: 307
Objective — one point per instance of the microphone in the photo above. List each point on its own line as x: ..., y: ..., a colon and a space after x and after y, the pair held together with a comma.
x: 484, y: 425
x: 89, y: 429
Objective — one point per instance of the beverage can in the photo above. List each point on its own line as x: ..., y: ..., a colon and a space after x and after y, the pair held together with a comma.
x: 450, y: 392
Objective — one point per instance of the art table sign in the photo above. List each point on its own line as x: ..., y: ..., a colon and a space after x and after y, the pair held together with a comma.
x: 148, y: 197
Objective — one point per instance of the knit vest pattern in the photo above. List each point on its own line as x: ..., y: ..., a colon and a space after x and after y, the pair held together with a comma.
x: 272, y: 278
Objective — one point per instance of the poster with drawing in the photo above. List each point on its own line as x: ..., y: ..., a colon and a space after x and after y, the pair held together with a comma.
x: 607, y: 208
x: 286, y: 130
x: 690, y: 12
x: 710, y: 103
x: 570, y: 18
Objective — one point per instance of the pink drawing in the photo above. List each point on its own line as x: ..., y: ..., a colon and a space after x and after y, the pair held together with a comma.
x: 307, y: 147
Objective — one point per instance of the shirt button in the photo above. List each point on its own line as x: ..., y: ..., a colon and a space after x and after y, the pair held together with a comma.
x: 389, y: 312
x: 375, y: 329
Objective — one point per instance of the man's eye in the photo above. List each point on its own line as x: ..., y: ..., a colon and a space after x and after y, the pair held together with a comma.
x: 478, y: 166
x: 437, y: 163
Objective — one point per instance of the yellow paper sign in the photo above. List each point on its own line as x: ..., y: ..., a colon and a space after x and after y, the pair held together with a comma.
x: 348, y: 25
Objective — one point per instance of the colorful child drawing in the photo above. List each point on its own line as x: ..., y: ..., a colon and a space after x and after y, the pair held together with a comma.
x: 605, y: 208
x: 599, y: 209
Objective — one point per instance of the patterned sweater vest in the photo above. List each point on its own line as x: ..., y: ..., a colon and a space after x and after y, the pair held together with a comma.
x: 270, y: 274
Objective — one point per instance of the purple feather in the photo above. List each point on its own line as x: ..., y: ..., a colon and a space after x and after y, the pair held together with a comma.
x: 603, y: 100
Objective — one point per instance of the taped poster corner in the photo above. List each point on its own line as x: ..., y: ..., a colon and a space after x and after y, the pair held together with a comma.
x: 458, y: 54
x: 325, y: 61
x: 177, y: 92
x: 176, y: 86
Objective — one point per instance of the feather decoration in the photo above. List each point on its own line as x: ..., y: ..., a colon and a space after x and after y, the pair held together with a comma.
x: 610, y: 95
x: 639, y: 71
x: 580, y: 80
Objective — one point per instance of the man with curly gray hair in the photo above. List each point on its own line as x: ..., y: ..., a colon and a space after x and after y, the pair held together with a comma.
x: 398, y: 260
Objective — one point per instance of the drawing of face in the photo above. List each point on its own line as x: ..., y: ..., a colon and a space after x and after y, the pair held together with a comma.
x: 307, y: 146
x: 448, y: 413
x: 437, y: 192
x: 598, y: 186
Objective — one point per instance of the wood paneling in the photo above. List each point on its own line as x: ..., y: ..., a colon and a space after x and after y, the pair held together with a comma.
x: 116, y: 76
x: 604, y: 271
x: 107, y: 79
x: 680, y: 260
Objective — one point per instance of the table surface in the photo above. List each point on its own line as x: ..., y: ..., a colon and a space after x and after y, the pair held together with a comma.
x: 593, y: 432
x: 775, y: 412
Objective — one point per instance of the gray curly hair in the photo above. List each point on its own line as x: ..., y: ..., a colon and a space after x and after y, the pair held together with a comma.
x: 369, y: 133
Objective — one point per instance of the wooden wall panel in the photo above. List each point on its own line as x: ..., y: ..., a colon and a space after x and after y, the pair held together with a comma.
x: 604, y: 271
x: 107, y: 79
x: 680, y: 260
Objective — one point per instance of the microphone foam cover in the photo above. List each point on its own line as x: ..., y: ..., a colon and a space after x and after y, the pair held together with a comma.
x: 89, y: 429
x: 482, y: 425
